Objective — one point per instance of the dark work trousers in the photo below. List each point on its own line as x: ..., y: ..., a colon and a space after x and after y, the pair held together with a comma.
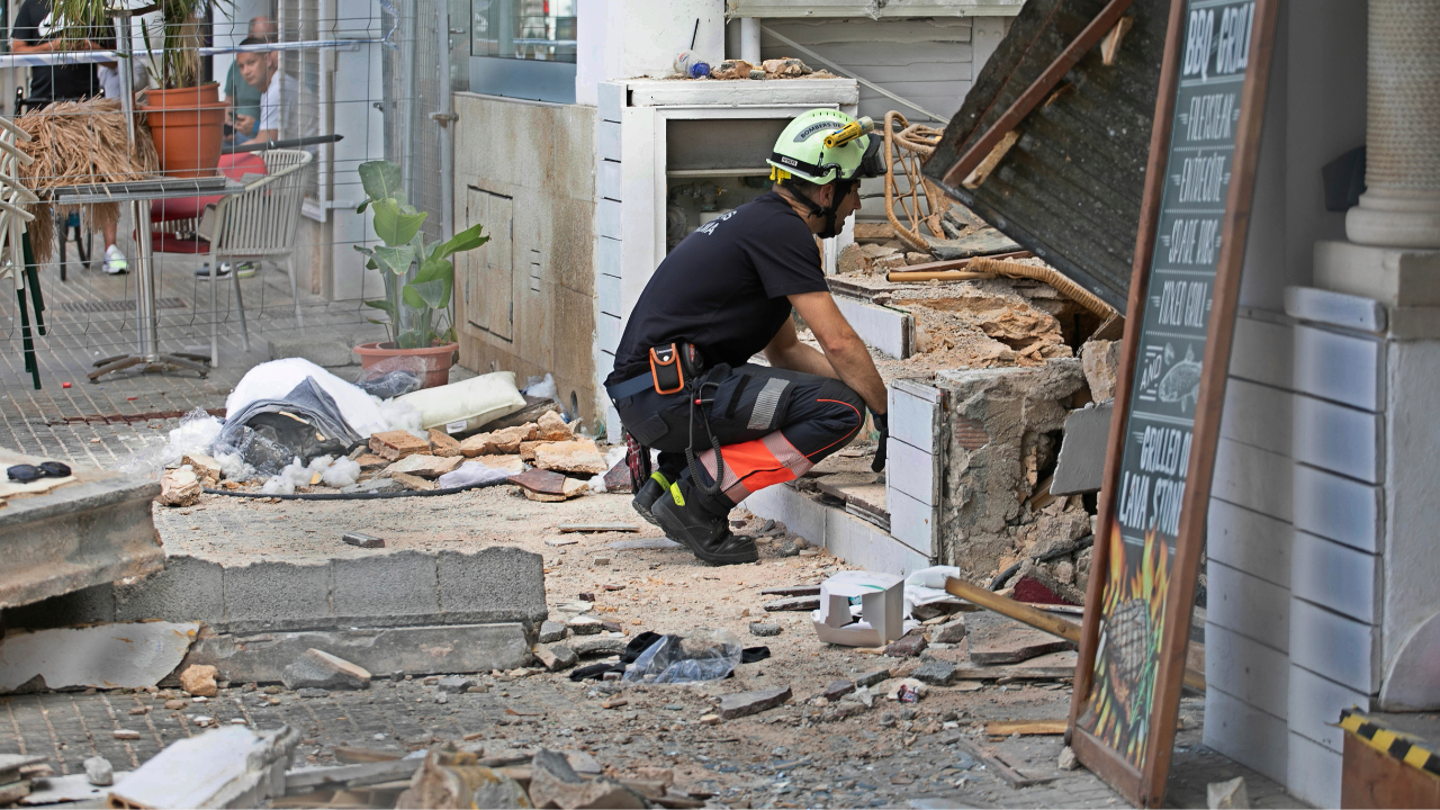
x: 772, y: 425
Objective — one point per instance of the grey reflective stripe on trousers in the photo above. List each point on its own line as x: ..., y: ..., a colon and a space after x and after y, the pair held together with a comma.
x: 763, y: 415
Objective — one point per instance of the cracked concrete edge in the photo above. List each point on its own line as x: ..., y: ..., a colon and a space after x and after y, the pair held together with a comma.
x: 397, y: 589
x: 426, y: 650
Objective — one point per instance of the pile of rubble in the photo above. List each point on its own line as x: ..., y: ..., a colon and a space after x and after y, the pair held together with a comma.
x: 786, y: 67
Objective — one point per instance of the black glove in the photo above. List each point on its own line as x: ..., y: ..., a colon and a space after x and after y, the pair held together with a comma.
x: 882, y: 424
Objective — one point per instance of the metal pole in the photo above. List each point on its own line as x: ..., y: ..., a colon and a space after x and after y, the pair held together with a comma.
x: 147, y: 331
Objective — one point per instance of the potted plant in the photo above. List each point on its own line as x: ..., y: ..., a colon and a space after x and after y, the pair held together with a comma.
x: 186, y: 119
x: 419, y: 282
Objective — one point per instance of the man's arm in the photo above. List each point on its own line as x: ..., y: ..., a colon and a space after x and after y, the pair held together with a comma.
x: 845, y: 353
x: 787, y: 352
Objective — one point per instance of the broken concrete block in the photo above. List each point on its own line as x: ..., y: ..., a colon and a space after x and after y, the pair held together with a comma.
x: 454, y: 684
x: 951, y: 632
x: 556, y: 657
x: 732, y: 69
x: 1068, y: 761
x: 908, y: 646
x: 503, y: 793
x: 765, y: 629
x: 423, y: 466
x: 1101, y: 361
x: 552, y: 427
x: 412, y: 482
x: 240, y: 768
x: 370, y: 461
x: 551, y: 485
x: 598, y: 645
x: 995, y: 639
x: 936, y: 672
x: 1231, y: 795
x: 742, y: 704
x: 554, y: 783
x: 397, y: 444
x: 579, y: 456
x: 443, y: 444
x: 317, y: 669
x: 205, y: 467
x: 179, y: 488
x: 1081, y: 467
x: 99, y: 771
x: 585, y: 625
x: 107, y: 656
x: 528, y: 450
x: 199, y: 680
x: 837, y: 690
x: 505, y: 440
x: 873, y: 677
x: 552, y: 631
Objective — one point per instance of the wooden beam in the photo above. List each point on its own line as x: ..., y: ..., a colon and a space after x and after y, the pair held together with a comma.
x: 1110, y: 48
x: 1036, y: 92
x: 1004, y: 728
x: 992, y: 160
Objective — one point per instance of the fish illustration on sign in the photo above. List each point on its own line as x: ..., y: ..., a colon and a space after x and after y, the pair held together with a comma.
x: 1182, y: 382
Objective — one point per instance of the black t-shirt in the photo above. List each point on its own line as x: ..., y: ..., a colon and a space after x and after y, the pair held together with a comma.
x: 33, y: 25
x: 723, y: 288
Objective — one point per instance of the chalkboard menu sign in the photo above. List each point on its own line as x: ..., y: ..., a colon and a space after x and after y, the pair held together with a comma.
x: 1177, y: 348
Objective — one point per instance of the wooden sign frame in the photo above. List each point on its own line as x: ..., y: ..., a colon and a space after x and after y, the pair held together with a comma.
x: 1140, y: 771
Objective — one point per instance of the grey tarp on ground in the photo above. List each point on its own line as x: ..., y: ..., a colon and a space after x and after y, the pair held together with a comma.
x: 305, y: 423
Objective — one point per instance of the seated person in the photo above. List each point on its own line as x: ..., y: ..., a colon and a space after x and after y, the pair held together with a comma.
x: 245, y: 99
x: 283, y: 116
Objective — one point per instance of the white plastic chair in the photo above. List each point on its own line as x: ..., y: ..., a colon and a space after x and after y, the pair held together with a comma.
x: 261, y: 222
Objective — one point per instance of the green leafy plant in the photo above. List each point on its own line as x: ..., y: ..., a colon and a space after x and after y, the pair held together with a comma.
x: 419, y: 276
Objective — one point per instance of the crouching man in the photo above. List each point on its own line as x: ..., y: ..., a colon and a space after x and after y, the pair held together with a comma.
x: 682, y: 382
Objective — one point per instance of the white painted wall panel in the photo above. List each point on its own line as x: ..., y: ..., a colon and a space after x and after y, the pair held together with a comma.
x: 611, y: 96
x: 608, y: 288
x: 911, y: 522
x: 1341, y: 509
x: 1339, y: 577
x: 884, y: 328
x: 1258, y: 415
x: 1251, y: 542
x: 607, y: 257
x: 609, y: 329
x: 1332, y: 645
x: 1246, y: 669
x: 608, y: 219
x: 1343, y: 368
x: 608, y: 141
x: 1248, y: 605
x: 1340, y: 439
x: 1262, y: 352
x: 1315, y: 704
x: 607, y: 181
x: 912, y: 471
x: 912, y: 418
x: 1253, y: 478
x: 1246, y: 734
x: 1313, y: 772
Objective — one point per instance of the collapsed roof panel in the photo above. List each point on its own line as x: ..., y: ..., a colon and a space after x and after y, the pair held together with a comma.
x: 1068, y: 180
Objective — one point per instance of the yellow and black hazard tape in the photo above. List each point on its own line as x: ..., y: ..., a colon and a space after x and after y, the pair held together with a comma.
x: 1405, y: 747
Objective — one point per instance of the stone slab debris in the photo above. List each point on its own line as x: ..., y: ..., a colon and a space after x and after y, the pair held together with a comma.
x: 585, y: 625
x: 907, y: 646
x: 1231, y: 795
x: 394, y: 445
x: 617, y: 479
x: 644, y: 543
x: 873, y: 677
x: 231, y: 767
x: 598, y: 645
x: 951, y: 632
x: 598, y: 527
x: 742, y: 704
x: 579, y: 456
x: 99, y: 771
x: 1068, y: 761
x: 936, y: 672
x: 318, y: 669
x: 117, y: 655
x: 75, y: 787
x: 765, y: 629
x: 442, y: 443
x: 362, y: 540
x: 503, y: 441
x: 204, y: 466
x: 179, y: 488
x: 1081, y: 467
x: 837, y: 690
x: 423, y: 466
x: 995, y: 639
x: 412, y: 482
x: 370, y: 461
x: 11, y: 793
x: 796, y: 603
x: 551, y: 632
x: 546, y: 484
x: 454, y: 684
x: 794, y: 590
x: 556, y: 657
x: 552, y: 427
x: 554, y: 783
x: 1100, y: 360
x: 199, y: 680
x: 10, y: 765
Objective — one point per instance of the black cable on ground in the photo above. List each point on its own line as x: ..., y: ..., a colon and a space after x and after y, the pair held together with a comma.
x: 999, y: 581
x: 354, y: 496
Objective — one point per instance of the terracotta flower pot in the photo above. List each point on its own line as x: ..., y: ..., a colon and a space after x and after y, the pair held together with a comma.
x: 432, y: 364
x: 188, y: 125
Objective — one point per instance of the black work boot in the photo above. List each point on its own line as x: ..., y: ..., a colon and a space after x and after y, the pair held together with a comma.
x: 706, y: 535
x: 644, y: 500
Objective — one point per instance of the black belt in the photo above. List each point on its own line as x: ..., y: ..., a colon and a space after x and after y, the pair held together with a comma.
x: 631, y: 387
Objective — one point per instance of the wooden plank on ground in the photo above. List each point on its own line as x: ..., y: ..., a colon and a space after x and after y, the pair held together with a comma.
x: 1004, y: 728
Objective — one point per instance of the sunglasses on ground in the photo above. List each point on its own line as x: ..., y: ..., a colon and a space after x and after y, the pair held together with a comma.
x: 25, y: 473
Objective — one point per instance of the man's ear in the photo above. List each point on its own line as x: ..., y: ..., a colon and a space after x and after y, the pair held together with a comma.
x: 826, y: 195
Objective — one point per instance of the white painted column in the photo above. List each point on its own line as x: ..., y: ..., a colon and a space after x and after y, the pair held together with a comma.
x: 1401, y: 206
x: 750, y: 40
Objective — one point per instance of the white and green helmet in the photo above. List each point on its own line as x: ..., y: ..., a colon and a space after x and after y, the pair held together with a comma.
x: 823, y: 146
